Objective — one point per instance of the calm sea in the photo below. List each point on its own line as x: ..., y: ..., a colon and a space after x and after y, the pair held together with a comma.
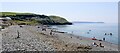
x: 90, y: 30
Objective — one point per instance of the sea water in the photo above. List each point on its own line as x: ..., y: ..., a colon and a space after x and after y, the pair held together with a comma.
x: 91, y: 30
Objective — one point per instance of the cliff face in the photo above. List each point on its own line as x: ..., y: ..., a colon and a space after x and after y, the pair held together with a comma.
x: 29, y: 18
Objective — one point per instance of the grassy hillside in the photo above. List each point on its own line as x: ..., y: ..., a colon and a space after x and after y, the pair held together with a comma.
x: 13, y: 13
x: 58, y: 19
x: 31, y: 18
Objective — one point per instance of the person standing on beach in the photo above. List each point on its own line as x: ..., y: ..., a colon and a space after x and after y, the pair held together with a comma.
x: 104, y: 39
x: 105, y: 34
x: 18, y: 34
x: 110, y: 33
x: 51, y: 32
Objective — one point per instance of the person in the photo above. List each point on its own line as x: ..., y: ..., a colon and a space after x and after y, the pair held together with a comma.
x: 20, y: 26
x: 18, y: 34
x: 72, y: 32
x: 89, y: 30
x: 43, y: 29
x: 104, y: 39
x: 94, y: 38
x: 38, y: 27
x: 105, y: 33
x: 110, y: 33
x: 101, y: 45
x: 51, y: 32
x: 88, y: 33
x: 95, y: 44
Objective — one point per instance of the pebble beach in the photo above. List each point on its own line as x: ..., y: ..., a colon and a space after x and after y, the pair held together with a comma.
x: 32, y: 38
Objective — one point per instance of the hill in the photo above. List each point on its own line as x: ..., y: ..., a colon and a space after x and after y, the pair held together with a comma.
x: 31, y: 18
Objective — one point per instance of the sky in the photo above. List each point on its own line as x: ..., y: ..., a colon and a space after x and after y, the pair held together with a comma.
x: 72, y: 11
x: 59, y: 0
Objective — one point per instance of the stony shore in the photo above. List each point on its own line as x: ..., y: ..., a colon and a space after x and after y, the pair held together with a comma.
x: 32, y: 38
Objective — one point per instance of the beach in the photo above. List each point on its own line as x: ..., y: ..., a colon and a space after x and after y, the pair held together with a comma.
x: 32, y: 38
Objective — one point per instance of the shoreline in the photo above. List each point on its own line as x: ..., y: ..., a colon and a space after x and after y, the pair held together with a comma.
x: 105, y: 42
x: 91, y: 38
x: 58, y: 41
x: 109, y: 41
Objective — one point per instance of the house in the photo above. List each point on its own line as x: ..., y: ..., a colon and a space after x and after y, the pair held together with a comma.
x: 3, y: 19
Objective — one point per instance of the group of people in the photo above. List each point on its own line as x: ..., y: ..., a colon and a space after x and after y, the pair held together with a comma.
x: 89, y: 32
x: 104, y: 33
x: 108, y: 34
x: 96, y: 39
x: 95, y: 44
x: 44, y: 28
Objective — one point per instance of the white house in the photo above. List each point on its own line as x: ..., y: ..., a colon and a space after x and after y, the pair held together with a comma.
x: 2, y: 19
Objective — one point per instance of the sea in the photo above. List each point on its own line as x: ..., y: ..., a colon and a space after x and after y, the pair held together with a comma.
x: 91, y: 30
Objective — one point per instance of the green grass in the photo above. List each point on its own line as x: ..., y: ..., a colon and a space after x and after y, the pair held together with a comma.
x: 13, y: 13
x: 27, y: 22
x: 40, y: 19
x: 58, y: 19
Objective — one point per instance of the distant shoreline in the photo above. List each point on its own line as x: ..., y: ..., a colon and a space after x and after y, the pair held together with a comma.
x: 87, y: 22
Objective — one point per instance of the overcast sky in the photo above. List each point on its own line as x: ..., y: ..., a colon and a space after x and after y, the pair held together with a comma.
x: 72, y: 11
